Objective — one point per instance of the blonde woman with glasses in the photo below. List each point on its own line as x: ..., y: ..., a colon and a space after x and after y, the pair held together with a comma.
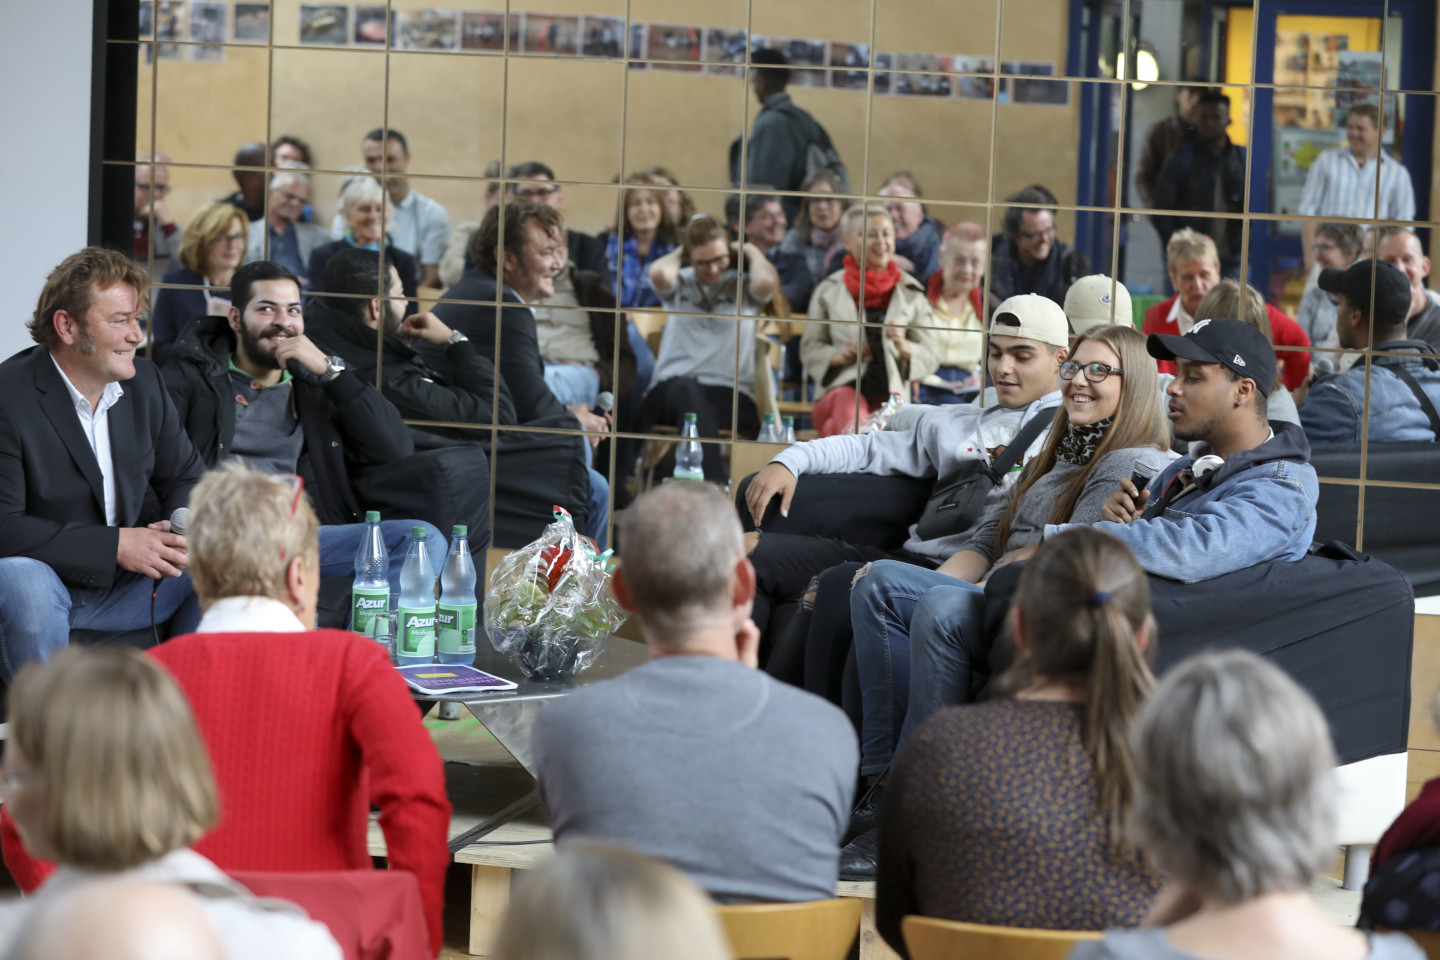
x: 307, y: 728
x: 106, y: 775
x: 213, y: 247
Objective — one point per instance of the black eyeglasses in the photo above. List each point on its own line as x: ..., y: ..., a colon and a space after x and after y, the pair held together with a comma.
x: 1094, y: 372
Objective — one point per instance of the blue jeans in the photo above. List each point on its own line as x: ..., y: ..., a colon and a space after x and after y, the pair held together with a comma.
x: 941, y: 396
x: 890, y: 606
x: 644, y: 357
x: 37, y: 610
x: 339, y: 543
x: 571, y: 383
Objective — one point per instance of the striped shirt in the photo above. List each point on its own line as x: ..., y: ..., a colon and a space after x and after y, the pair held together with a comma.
x: 1338, y: 186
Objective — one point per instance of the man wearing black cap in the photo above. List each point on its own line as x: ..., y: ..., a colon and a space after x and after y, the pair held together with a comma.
x: 1404, y: 390
x: 1246, y: 493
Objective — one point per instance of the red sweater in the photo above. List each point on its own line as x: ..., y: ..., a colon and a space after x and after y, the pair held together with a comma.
x: 1294, y: 364
x: 305, y: 732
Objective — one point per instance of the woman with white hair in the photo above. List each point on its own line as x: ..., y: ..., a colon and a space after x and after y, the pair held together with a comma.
x: 364, y: 209
x: 1235, y: 801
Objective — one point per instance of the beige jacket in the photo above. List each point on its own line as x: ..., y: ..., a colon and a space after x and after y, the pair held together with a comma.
x: 909, y: 307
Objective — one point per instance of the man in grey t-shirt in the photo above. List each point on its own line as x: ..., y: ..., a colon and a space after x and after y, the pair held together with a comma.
x: 696, y: 757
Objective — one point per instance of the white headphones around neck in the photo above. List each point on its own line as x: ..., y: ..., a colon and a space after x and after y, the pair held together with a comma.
x: 1206, y: 464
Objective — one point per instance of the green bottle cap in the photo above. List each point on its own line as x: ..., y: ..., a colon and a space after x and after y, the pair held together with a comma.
x: 418, y: 533
x: 689, y: 418
x: 788, y: 421
x: 459, y: 530
x: 372, y: 516
x: 768, y: 418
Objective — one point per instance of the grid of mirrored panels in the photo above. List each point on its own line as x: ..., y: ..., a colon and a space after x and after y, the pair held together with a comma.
x: 1141, y: 118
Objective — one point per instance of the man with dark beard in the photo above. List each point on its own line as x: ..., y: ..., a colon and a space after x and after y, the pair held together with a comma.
x: 252, y: 385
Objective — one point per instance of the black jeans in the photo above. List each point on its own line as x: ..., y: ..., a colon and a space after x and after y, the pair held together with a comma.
x: 669, y: 400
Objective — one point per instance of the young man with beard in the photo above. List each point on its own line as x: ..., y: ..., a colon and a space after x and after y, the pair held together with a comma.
x: 252, y: 385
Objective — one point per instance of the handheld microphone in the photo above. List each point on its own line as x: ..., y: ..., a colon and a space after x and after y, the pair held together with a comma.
x: 604, y: 404
x: 1320, y: 366
x: 178, y: 520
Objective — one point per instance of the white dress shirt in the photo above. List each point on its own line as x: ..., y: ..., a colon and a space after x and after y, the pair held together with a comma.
x: 1339, y: 186
x: 96, y: 426
x: 1183, y: 320
x: 249, y: 615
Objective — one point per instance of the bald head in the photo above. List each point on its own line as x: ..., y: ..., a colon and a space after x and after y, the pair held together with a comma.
x: 122, y: 920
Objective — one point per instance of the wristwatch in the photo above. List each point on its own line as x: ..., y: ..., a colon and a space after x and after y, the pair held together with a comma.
x: 456, y: 337
x: 333, y: 368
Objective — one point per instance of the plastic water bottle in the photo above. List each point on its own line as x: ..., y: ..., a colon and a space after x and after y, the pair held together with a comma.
x: 788, y: 436
x: 455, y: 615
x: 689, y: 460
x: 768, y: 433
x: 415, y: 642
x: 371, y: 593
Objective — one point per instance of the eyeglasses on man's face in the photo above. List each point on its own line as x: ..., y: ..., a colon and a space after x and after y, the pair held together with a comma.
x: 1094, y: 372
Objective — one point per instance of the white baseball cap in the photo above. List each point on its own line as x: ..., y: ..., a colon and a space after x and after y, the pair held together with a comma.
x: 1031, y: 317
x: 1097, y: 299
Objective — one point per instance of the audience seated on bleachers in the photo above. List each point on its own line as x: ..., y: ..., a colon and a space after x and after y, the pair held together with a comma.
x: 414, y: 222
x: 1337, y: 245
x: 707, y: 351
x: 1096, y: 300
x: 521, y: 273
x: 596, y: 902
x: 78, y: 547
x: 1205, y: 174
x: 152, y: 186
x: 1235, y: 802
x: 917, y: 234
x: 254, y: 386
x: 1402, y: 249
x: 249, y: 199
x: 956, y: 292
x: 1109, y: 426
x: 1028, y: 258
x: 1399, y: 893
x: 284, y: 237
x: 1228, y: 299
x: 1194, y: 268
x: 873, y: 347
x: 815, y: 232
x: 1012, y: 812
x: 696, y: 757
x: 366, y: 215
x: 121, y: 920
x: 213, y: 246
x: 106, y: 775
x: 1402, y: 391
x: 762, y: 222
x: 1028, y: 341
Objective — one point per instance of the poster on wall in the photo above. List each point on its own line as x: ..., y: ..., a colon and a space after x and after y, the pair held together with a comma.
x: 849, y: 61
x: 1024, y: 88
x: 974, y: 87
x: 252, y: 22
x: 670, y: 46
x: 207, y: 28
x: 169, y: 30
x: 724, y: 52
x: 922, y: 76
x: 372, y: 24
x: 636, y: 51
x: 428, y: 30
x: 603, y: 37
x: 1295, y: 150
x: 484, y: 32
x: 555, y: 34
x: 324, y: 24
x: 803, y: 55
x: 883, y: 63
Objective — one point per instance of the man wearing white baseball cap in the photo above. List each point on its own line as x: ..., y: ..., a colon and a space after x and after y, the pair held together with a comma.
x: 1097, y: 299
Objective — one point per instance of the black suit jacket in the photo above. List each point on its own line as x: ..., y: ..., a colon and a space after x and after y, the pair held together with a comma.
x: 52, y: 495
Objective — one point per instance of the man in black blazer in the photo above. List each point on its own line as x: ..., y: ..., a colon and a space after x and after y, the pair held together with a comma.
x: 93, y: 462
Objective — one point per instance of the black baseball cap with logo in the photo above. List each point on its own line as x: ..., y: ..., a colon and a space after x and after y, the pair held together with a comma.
x: 1230, y: 343
x: 1392, y: 290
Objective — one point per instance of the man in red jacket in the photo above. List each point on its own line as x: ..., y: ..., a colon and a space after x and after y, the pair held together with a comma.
x: 1194, y: 268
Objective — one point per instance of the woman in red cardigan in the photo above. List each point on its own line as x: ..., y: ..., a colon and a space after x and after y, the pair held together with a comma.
x: 305, y: 728
x: 1194, y: 268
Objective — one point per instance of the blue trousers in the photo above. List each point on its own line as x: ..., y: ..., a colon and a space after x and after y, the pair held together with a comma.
x: 917, y: 633
x: 571, y: 383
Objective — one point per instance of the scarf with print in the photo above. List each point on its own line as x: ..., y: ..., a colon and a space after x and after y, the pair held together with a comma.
x: 1080, y: 442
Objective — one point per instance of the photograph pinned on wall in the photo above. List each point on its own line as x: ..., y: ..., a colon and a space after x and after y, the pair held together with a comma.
x: 974, y: 87
x: 207, y: 28
x: 169, y: 30
x: 922, y: 76
x: 552, y: 34
x: 435, y: 31
x: 252, y: 22
x: 484, y: 32
x: 670, y: 46
x: 884, y: 62
x: 802, y: 54
x: 324, y: 24
x: 851, y: 59
x: 724, y: 52
x: 603, y: 37
x: 1025, y: 88
x: 372, y: 24
x: 636, y: 51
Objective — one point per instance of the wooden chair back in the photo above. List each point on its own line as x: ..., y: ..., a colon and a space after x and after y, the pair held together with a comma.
x: 929, y: 939
x: 816, y: 930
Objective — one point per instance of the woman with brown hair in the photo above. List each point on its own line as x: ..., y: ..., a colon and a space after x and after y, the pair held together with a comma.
x: 816, y: 231
x: 212, y: 248
x: 105, y: 774
x: 1012, y: 811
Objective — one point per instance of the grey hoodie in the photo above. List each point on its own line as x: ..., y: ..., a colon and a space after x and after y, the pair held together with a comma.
x: 942, y: 438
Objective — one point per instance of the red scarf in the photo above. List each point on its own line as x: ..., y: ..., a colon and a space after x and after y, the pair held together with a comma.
x: 936, y: 290
x: 878, y: 286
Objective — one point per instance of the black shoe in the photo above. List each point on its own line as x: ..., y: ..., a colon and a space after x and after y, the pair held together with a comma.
x: 859, y: 857
x: 866, y: 812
